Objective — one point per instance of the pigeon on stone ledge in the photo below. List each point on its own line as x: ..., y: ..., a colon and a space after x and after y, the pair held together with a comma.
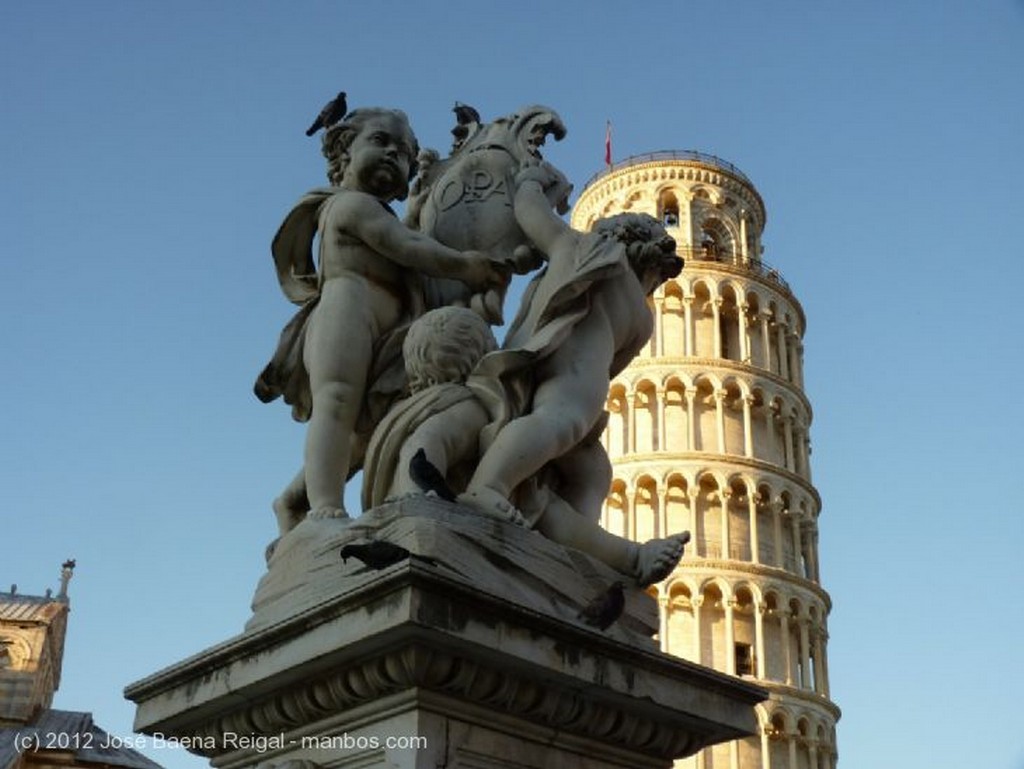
x: 377, y: 554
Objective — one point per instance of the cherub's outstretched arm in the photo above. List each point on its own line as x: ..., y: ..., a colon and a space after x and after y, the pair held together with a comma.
x: 536, y: 185
x: 363, y: 217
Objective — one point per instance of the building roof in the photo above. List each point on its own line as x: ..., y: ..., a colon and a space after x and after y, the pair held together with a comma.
x: 16, y: 607
x: 68, y: 731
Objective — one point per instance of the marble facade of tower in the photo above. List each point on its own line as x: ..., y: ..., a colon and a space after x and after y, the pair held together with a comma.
x: 709, y: 432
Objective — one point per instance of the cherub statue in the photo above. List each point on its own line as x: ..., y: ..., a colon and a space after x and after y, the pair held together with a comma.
x: 444, y: 418
x: 581, y: 321
x: 367, y: 288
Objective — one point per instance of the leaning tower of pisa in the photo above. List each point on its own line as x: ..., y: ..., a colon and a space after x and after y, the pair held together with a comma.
x: 709, y: 432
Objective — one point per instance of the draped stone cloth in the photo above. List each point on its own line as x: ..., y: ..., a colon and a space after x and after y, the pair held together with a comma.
x: 553, y: 303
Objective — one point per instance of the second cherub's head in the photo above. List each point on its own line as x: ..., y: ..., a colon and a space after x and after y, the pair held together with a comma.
x: 444, y: 345
x: 650, y: 249
x: 373, y: 150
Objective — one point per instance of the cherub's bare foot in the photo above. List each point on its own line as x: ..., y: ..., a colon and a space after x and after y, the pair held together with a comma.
x: 288, y: 517
x: 328, y: 511
x: 656, y: 558
x: 489, y: 502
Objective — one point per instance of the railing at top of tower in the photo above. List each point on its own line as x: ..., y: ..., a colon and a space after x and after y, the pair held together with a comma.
x: 754, y: 265
x: 654, y: 157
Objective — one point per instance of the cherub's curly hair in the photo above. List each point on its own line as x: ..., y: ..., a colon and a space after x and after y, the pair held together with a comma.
x: 630, y: 228
x: 338, y: 139
x: 647, y: 243
x: 444, y: 345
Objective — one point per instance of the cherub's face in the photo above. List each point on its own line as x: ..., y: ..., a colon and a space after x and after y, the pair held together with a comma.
x: 380, y: 157
x: 654, y: 259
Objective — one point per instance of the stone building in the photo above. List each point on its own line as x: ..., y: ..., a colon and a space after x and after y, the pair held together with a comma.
x: 709, y: 432
x: 32, y: 734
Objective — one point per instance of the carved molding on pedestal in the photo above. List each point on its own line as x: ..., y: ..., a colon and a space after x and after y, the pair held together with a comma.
x: 532, y: 697
x: 421, y: 636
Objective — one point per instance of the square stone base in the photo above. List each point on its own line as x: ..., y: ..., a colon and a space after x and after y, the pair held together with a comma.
x: 468, y: 654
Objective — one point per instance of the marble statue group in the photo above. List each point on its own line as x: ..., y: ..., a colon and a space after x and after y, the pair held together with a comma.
x: 391, y: 351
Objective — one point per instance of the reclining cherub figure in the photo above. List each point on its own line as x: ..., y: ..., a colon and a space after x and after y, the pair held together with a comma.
x: 446, y: 416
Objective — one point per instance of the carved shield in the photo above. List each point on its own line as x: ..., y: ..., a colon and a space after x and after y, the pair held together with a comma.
x: 469, y: 205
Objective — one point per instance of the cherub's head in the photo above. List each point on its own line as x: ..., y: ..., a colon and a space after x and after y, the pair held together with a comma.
x: 364, y: 138
x: 444, y: 345
x: 649, y: 247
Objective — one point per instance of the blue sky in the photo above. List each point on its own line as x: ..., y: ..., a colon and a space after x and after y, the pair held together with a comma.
x: 148, y: 153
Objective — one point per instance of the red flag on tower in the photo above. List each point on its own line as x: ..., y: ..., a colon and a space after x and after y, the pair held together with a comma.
x: 608, y: 144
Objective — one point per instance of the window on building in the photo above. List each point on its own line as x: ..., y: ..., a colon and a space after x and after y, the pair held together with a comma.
x: 709, y: 245
x: 744, y: 659
x: 669, y: 211
x: 723, y: 336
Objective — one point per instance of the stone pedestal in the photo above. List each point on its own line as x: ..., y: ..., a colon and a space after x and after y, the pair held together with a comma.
x: 468, y: 654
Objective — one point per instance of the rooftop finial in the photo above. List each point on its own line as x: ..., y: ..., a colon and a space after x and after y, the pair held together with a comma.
x: 67, y: 570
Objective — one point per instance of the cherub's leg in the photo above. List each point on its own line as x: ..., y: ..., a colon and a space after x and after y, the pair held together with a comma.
x: 566, y: 405
x: 292, y: 505
x: 328, y: 447
x: 647, y: 562
x: 586, y: 474
x: 338, y: 354
x: 447, y: 438
x: 562, y: 524
x: 521, y: 449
